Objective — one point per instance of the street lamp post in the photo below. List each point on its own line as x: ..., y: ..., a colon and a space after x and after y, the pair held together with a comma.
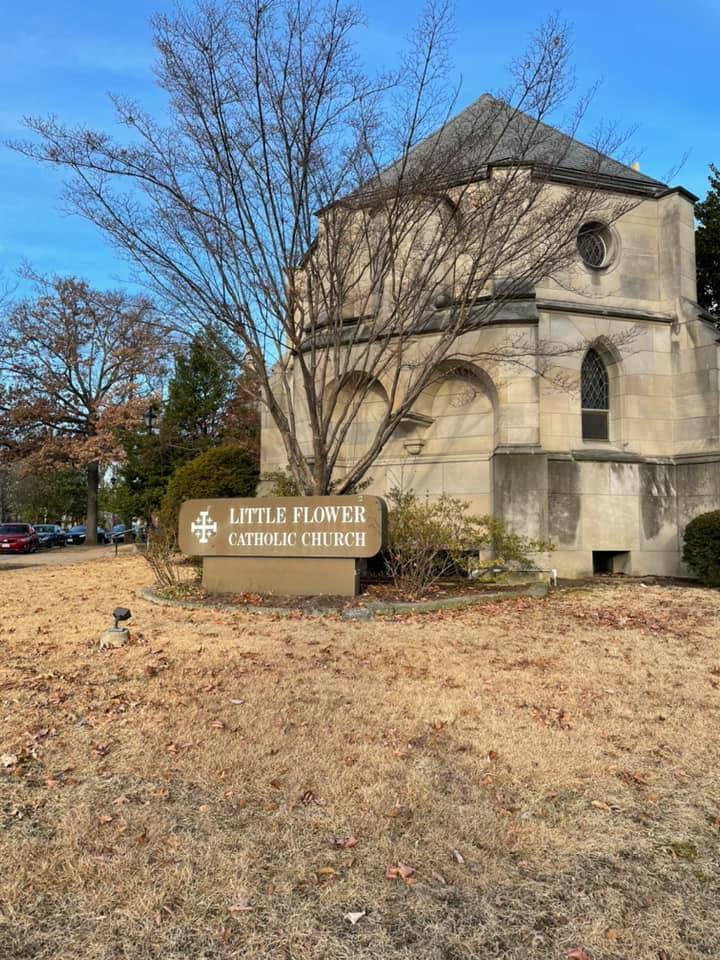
x: 151, y: 415
x: 113, y: 485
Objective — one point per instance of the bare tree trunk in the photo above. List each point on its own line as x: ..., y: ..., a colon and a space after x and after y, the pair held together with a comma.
x: 91, y: 519
x: 4, y: 496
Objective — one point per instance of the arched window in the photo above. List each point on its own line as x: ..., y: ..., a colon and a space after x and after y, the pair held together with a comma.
x: 595, y: 398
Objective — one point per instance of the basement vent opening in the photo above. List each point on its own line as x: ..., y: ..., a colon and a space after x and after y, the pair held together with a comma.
x: 611, y: 561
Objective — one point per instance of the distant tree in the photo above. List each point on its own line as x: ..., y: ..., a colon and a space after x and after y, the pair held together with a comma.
x: 50, y: 495
x: 242, y: 418
x: 7, y: 492
x: 707, y: 245
x: 209, y: 402
x: 199, y: 396
x: 76, y: 367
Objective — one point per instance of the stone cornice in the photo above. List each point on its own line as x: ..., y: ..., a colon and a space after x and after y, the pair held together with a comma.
x: 611, y: 313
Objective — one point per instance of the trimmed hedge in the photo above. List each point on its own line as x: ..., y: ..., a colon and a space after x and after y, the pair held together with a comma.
x: 701, y: 550
x: 225, y: 471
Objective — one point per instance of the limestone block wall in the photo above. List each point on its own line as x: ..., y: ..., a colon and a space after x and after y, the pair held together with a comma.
x: 637, y: 356
x: 638, y: 508
x: 698, y: 487
x: 696, y: 382
x: 652, y: 263
x: 616, y: 507
x: 467, y: 478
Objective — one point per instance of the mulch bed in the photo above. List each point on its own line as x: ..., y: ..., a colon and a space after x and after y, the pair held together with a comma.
x: 371, y: 591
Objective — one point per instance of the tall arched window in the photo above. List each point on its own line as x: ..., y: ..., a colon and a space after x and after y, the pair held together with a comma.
x: 595, y: 398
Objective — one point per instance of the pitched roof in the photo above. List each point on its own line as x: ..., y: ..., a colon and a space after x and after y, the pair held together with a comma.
x: 490, y: 132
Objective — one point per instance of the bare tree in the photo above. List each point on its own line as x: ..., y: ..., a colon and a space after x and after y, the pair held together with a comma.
x: 309, y: 209
x: 76, y: 366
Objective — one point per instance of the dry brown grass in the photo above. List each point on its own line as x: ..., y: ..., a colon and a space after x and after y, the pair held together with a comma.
x: 548, y: 769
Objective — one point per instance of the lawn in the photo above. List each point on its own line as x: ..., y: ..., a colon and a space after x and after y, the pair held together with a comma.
x: 528, y: 779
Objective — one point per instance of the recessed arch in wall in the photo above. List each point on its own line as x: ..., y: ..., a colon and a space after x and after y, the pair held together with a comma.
x: 461, y: 403
x: 371, y: 408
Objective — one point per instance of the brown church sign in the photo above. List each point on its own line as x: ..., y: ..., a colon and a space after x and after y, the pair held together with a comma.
x: 296, y: 545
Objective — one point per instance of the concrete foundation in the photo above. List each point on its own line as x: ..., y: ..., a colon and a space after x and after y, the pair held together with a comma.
x: 284, y: 576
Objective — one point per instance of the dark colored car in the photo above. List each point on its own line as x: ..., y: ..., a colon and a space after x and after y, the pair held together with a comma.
x: 121, y: 534
x: 50, y: 534
x: 18, y: 538
x: 77, y: 534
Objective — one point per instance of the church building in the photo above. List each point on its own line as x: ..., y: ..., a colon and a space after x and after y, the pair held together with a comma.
x: 611, y: 467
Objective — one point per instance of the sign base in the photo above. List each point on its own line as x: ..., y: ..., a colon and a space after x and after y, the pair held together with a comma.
x: 285, y: 576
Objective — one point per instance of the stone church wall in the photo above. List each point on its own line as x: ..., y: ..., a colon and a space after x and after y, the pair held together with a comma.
x: 510, y: 442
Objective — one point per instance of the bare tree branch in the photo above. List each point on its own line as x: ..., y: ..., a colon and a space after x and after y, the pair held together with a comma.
x: 310, y: 210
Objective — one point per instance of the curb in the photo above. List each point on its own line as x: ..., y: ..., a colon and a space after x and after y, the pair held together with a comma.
x: 537, y: 590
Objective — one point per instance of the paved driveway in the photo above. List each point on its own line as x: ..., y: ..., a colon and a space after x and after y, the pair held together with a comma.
x: 59, y: 556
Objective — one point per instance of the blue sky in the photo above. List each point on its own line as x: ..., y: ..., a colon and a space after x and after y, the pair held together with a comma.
x: 657, y: 62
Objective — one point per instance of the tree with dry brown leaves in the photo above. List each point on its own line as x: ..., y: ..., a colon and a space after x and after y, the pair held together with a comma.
x: 334, y: 224
x: 77, y: 366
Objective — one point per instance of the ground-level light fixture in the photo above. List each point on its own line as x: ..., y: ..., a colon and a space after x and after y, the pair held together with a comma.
x: 116, y: 636
x: 121, y: 614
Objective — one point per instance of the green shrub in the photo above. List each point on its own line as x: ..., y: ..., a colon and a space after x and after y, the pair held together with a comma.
x: 701, y: 550
x: 226, y: 471
x: 430, y: 539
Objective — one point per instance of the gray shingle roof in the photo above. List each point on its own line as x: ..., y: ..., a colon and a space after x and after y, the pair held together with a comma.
x: 491, y: 132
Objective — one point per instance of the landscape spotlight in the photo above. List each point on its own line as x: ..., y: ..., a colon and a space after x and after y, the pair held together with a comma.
x: 121, y: 614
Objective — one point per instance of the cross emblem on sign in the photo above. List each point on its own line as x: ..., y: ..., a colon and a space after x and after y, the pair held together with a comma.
x: 203, y: 527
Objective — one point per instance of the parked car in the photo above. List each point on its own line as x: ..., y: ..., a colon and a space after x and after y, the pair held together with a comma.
x: 50, y: 534
x: 121, y: 534
x: 77, y: 534
x: 18, y: 538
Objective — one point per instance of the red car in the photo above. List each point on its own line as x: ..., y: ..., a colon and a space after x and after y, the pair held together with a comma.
x: 18, y: 538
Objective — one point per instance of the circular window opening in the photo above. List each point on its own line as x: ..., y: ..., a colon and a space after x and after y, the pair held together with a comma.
x: 594, y: 243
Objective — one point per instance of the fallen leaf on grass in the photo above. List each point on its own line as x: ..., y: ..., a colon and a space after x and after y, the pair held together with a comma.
x: 629, y: 777
x: 242, y: 905
x: 399, y: 872
x: 346, y: 842
x: 600, y: 805
x: 458, y: 856
x: 354, y: 917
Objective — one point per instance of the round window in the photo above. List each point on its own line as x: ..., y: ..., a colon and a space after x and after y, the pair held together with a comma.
x: 594, y: 243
